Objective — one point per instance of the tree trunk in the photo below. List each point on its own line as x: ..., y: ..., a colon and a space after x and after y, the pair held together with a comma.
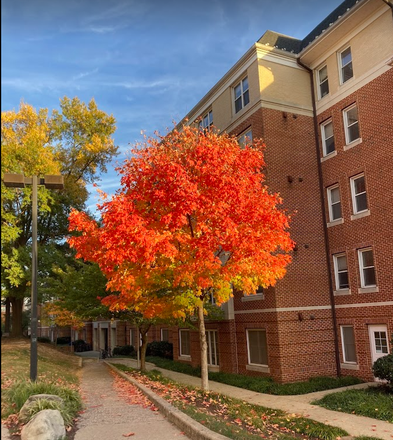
x: 7, y: 322
x: 16, y: 316
x: 203, y: 344
x: 143, y: 331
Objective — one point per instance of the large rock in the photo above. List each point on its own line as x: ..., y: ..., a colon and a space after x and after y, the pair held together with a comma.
x: 24, y: 413
x: 45, y: 425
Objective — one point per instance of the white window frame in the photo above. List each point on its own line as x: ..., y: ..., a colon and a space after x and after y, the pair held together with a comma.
x: 212, y: 348
x: 330, y: 203
x: 324, y: 138
x: 354, y: 194
x: 243, y: 92
x: 337, y: 272
x: 321, y: 82
x: 342, y: 66
x: 162, y: 334
x: 241, y: 139
x: 343, y: 344
x: 184, y: 331
x: 203, y: 125
x: 248, y: 347
x: 346, y: 126
x: 362, y: 268
x: 257, y: 296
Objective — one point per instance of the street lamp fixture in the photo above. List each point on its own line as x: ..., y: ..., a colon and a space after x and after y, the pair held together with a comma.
x: 20, y: 181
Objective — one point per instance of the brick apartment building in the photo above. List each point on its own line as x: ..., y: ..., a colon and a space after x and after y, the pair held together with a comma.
x: 324, y: 107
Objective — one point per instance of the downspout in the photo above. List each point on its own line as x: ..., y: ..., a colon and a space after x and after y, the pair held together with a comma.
x: 324, y: 220
x: 389, y: 3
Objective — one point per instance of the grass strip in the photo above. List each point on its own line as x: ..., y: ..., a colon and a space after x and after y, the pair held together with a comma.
x: 374, y: 402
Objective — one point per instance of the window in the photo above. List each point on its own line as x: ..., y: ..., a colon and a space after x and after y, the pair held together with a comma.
x: 323, y: 82
x: 133, y: 337
x: 367, y: 268
x: 346, y: 71
x: 327, y: 138
x: 184, y: 345
x: 348, y: 344
x: 212, y: 352
x: 334, y: 202
x: 242, y: 97
x: 207, y: 121
x: 341, y: 271
x: 257, y: 347
x: 245, y: 138
x: 381, y: 342
x: 164, y: 334
x: 351, y: 124
x: 359, y: 195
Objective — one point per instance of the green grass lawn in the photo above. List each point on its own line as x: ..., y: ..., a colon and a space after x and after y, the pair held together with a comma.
x: 259, y: 384
x: 374, y: 402
x: 58, y: 373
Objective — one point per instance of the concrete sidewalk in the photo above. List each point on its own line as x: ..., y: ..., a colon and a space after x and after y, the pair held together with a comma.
x: 353, y: 424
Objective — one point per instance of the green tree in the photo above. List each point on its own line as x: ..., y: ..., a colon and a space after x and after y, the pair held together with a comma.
x: 76, y: 142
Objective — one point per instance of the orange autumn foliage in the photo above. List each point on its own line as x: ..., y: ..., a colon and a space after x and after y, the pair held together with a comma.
x: 193, y: 216
x: 62, y: 317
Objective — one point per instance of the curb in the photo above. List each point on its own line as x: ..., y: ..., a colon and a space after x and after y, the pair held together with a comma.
x: 189, y: 426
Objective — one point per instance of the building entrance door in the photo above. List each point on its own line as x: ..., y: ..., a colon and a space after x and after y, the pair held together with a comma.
x: 379, y: 343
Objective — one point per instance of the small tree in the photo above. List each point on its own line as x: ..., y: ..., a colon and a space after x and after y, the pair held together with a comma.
x: 193, y: 218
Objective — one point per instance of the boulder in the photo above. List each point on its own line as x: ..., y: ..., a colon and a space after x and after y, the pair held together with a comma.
x: 47, y: 424
x: 24, y: 413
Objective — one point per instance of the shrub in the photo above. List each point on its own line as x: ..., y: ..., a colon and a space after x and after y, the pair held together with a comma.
x: 63, y: 340
x: 80, y: 345
x: 162, y: 349
x: 383, y: 369
x: 124, y: 350
x: 44, y: 339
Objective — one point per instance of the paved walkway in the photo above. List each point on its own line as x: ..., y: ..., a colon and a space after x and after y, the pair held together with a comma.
x: 353, y: 424
x: 109, y: 416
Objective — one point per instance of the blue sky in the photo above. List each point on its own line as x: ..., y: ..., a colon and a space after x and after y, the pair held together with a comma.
x: 147, y: 62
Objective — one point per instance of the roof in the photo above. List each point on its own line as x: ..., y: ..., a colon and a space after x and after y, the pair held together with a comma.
x: 290, y: 44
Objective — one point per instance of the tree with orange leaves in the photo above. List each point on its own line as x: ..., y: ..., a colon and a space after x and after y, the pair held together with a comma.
x: 193, y: 217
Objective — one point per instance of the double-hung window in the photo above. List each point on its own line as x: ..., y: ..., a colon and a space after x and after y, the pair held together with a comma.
x: 323, y: 82
x: 164, y: 334
x: 212, y: 347
x: 241, y: 94
x: 207, y: 121
x: 367, y: 268
x: 245, y: 138
x: 348, y: 344
x: 184, y: 343
x: 334, y: 202
x: 346, y: 71
x: 257, y: 347
x: 327, y: 138
x: 341, y: 271
x: 351, y: 124
x: 359, y: 194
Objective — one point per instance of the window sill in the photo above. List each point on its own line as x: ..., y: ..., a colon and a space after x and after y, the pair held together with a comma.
x: 252, y: 297
x: 184, y: 357
x: 348, y: 366
x: 213, y: 368
x: 339, y: 221
x: 342, y: 292
x: 360, y: 215
x: 371, y: 289
x: 329, y: 156
x: 353, y: 144
x: 260, y: 368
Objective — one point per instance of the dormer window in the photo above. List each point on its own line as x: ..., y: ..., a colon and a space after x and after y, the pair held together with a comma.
x: 241, y: 94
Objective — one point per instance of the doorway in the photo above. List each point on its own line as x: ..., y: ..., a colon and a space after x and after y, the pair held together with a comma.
x: 379, y: 341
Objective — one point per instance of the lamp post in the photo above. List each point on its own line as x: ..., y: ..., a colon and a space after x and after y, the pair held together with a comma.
x: 51, y: 182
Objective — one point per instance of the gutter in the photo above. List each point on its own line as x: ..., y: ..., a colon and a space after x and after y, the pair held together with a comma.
x: 324, y: 220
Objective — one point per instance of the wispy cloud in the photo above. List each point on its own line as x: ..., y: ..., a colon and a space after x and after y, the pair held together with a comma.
x: 84, y: 74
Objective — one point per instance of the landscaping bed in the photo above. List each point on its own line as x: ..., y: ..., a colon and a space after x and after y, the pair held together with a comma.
x: 259, y: 384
